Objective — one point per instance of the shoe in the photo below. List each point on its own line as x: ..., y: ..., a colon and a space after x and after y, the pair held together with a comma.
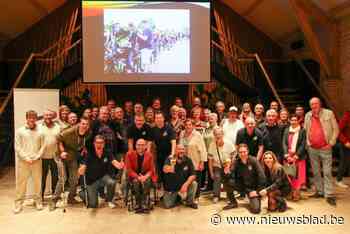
x: 331, y: 201
x: 341, y: 184
x: 111, y: 205
x: 241, y: 197
x: 52, y: 206
x: 18, y: 208
x: 72, y: 201
x: 192, y: 205
x: 38, y: 205
x: 138, y: 210
x: 317, y: 195
x: 231, y: 205
x: 146, y: 209
x: 215, y: 200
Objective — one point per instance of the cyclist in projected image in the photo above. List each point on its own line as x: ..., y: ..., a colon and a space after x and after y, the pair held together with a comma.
x: 135, y: 49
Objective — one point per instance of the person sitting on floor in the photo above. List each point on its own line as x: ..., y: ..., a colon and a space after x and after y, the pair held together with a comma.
x: 277, y: 181
x: 141, y: 173
x: 179, y: 180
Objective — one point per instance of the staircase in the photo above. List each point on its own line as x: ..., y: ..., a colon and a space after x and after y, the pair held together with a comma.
x: 6, y: 131
x: 291, y: 98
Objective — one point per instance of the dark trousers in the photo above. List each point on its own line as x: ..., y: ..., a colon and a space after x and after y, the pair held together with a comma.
x: 343, y: 152
x: 254, y: 202
x: 49, y: 164
x: 198, y: 180
x: 276, y: 201
x: 160, y: 164
x: 141, y: 191
x: 206, y: 177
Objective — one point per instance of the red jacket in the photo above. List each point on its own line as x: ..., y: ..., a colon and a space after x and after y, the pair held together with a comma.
x: 148, y: 165
x: 344, y: 128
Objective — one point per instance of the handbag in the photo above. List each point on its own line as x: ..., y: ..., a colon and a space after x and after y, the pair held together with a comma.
x: 290, y: 169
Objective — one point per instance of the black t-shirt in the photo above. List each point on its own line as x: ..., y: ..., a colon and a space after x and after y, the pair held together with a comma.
x: 162, y: 138
x: 272, y: 137
x: 253, y: 141
x: 183, y: 170
x: 108, y: 131
x: 97, y: 167
x: 134, y: 133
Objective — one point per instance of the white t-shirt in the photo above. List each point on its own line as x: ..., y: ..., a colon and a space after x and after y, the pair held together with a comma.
x: 225, y: 153
x: 231, y: 130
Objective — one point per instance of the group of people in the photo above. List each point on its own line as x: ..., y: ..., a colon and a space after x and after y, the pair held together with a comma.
x: 249, y: 154
x: 135, y: 48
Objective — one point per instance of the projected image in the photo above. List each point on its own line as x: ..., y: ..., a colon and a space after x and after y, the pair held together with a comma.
x: 147, y: 41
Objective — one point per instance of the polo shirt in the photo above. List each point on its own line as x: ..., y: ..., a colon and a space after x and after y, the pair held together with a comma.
x: 162, y: 138
x: 183, y: 170
x: 144, y: 132
x: 253, y: 141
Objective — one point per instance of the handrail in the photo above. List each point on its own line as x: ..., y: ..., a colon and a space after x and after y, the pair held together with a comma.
x: 256, y: 58
x: 18, y: 79
x: 323, y: 94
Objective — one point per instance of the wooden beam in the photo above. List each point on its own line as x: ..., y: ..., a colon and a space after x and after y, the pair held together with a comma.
x: 339, y: 9
x: 310, y: 36
x: 39, y: 7
x: 252, y: 7
x: 312, y: 9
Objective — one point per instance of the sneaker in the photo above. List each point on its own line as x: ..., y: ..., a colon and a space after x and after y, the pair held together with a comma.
x: 341, y: 184
x: 331, y: 201
x: 38, y: 205
x: 111, y: 205
x: 72, y: 201
x: 215, y: 200
x: 317, y: 195
x: 192, y: 205
x: 231, y: 205
x: 18, y: 208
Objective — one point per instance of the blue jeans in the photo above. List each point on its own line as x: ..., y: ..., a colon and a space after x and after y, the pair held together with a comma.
x: 170, y: 198
x: 92, y: 190
x: 317, y: 156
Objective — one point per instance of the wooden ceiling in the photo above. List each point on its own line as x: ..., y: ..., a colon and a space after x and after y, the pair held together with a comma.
x: 276, y: 17
x: 19, y: 15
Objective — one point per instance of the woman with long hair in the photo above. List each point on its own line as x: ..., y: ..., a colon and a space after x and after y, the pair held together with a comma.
x: 277, y: 182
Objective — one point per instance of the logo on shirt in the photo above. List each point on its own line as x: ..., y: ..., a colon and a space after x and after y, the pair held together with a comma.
x: 143, y: 133
x: 165, y: 133
x: 250, y: 167
x: 255, y: 138
x: 105, y: 160
x: 185, y: 168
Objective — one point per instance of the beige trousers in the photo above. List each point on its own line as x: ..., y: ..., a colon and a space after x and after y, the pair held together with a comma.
x: 24, y: 171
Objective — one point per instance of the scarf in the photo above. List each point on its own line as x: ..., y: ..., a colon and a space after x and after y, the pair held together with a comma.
x: 293, y: 144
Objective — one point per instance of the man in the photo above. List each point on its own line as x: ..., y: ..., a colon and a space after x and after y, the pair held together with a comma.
x: 300, y: 112
x: 179, y: 180
x: 63, y: 116
x: 178, y: 102
x: 321, y: 134
x: 111, y: 105
x: 72, y: 143
x: 145, y: 39
x: 232, y: 125
x: 259, y: 114
x: 248, y: 177
x: 273, y: 134
x: 72, y: 119
x: 164, y: 138
x: 252, y: 137
x: 29, y: 146
x: 197, y: 102
x: 128, y: 108
x: 344, y: 144
x: 220, y: 155
x: 274, y: 106
x: 98, y: 167
x: 94, y: 113
x: 138, y: 109
x: 141, y: 173
x: 139, y: 130
x: 50, y: 131
x: 220, y: 110
x: 156, y: 104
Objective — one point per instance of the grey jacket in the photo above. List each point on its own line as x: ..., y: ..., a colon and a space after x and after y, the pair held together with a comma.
x: 329, y: 125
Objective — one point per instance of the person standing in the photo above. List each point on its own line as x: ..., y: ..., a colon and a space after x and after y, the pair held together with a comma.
x: 321, y: 134
x: 50, y: 131
x: 29, y: 147
x: 232, y: 125
x: 344, y: 141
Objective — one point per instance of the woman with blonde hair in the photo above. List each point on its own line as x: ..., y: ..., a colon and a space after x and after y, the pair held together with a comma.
x: 277, y: 182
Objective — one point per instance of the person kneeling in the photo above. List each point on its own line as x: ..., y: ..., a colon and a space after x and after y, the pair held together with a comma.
x: 141, y: 174
x: 97, y: 168
x: 277, y: 182
x: 179, y: 180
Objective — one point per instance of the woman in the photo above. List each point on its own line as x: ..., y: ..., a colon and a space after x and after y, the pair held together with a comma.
x: 195, y: 149
x: 87, y: 113
x: 294, y: 141
x: 199, y: 125
x: 175, y: 121
x: 278, y: 186
x: 149, y: 117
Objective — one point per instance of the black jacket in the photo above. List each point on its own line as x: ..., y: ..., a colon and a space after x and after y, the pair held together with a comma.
x: 301, y: 143
x: 278, y: 181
